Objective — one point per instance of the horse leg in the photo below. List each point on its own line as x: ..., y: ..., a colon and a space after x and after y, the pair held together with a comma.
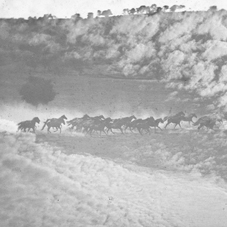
x: 121, y: 130
x: 139, y: 131
x: 148, y: 131
x: 104, y: 131
x: 108, y: 129
x: 154, y: 129
x: 90, y: 131
x: 131, y: 129
x: 48, y: 129
x: 167, y: 124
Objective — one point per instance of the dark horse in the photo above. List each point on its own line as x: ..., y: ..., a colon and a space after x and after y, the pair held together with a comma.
x: 119, y: 123
x: 76, y: 121
x: 176, y: 119
x: 189, y: 118
x: 155, y: 123
x: 181, y: 113
x: 149, y: 123
x: 28, y: 124
x: 207, y: 122
x: 99, y: 126
x: 54, y: 123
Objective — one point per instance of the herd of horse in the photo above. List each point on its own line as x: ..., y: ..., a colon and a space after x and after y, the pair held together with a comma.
x: 89, y: 125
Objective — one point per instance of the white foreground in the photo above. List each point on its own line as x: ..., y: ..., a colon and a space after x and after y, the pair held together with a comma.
x: 41, y: 186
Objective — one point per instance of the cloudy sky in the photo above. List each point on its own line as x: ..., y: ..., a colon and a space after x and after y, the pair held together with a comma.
x: 66, y: 8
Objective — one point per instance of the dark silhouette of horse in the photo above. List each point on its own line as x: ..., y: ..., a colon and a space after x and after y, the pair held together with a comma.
x: 131, y: 125
x: 119, y: 123
x: 76, y: 121
x: 155, y: 123
x: 206, y: 121
x: 100, y: 117
x: 115, y: 124
x: 29, y: 124
x: 181, y: 113
x: 86, y: 125
x: 176, y: 119
x: 99, y: 126
x: 125, y: 120
x: 149, y: 123
x: 80, y: 123
x: 54, y: 123
x: 189, y: 118
x: 144, y: 124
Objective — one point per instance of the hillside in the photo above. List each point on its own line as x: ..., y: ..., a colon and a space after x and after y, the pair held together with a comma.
x: 117, y: 66
x: 185, y: 52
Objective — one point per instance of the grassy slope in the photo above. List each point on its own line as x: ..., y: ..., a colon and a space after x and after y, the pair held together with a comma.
x: 110, y: 96
x: 86, y: 92
x: 175, y: 150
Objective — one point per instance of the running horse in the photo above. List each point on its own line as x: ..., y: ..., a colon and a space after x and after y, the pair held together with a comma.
x: 207, y: 122
x: 181, y: 113
x: 176, y: 119
x: 155, y: 124
x: 54, y: 123
x: 189, y: 118
x: 99, y: 126
x: 119, y: 123
x: 149, y: 123
x: 29, y: 124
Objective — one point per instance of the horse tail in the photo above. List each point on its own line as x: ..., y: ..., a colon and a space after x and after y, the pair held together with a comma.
x: 19, y: 128
x: 45, y: 123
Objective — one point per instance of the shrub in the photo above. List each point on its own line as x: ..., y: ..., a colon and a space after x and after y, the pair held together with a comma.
x: 37, y: 91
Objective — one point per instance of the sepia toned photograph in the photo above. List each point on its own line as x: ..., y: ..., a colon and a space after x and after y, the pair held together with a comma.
x: 113, y: 113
